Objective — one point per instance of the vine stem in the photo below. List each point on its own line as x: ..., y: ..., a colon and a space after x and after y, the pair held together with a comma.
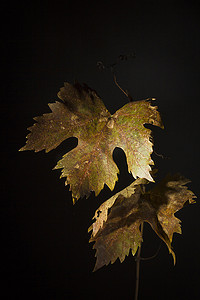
x: 117, y: 84
x: 138, y: 258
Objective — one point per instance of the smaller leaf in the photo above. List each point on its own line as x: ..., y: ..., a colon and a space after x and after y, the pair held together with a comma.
x: 101, y: 213
x: 168, y: 197
x: 117, y: 232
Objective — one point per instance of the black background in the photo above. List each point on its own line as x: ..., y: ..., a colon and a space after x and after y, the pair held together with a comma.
x: 46, y: 254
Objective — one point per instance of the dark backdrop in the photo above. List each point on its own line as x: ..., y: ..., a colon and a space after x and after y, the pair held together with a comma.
x: 46, y: 254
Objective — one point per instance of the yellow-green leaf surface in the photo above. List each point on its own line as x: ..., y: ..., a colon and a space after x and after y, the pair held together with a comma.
x: 118, y: 232
x: 82, y: 114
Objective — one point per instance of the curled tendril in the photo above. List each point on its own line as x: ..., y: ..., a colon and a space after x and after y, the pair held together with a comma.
x: 123, y: 57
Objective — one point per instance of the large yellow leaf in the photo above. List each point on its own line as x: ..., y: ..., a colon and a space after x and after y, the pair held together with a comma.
x: 82, y: 114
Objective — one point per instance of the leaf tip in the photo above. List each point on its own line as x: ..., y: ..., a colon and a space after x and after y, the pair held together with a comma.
x: 74, y: 200
x: 90, y: 228
x: 174, y: 257
x: 25, y: 148
x: 95, y: 269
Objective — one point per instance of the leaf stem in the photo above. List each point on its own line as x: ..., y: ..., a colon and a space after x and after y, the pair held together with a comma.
x: 138, y: 258
x: 117, y: 84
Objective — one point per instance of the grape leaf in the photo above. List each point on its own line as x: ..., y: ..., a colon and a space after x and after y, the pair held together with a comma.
x: 116, y: 233
x: 101, y: 213
x: 82, y: 114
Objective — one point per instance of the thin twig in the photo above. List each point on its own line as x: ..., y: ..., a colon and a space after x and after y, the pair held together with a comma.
x: 117, y: 84
x: 138, y: 258
x: 115, y: 80
x: 153, y: 256
x: 160, y: 155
